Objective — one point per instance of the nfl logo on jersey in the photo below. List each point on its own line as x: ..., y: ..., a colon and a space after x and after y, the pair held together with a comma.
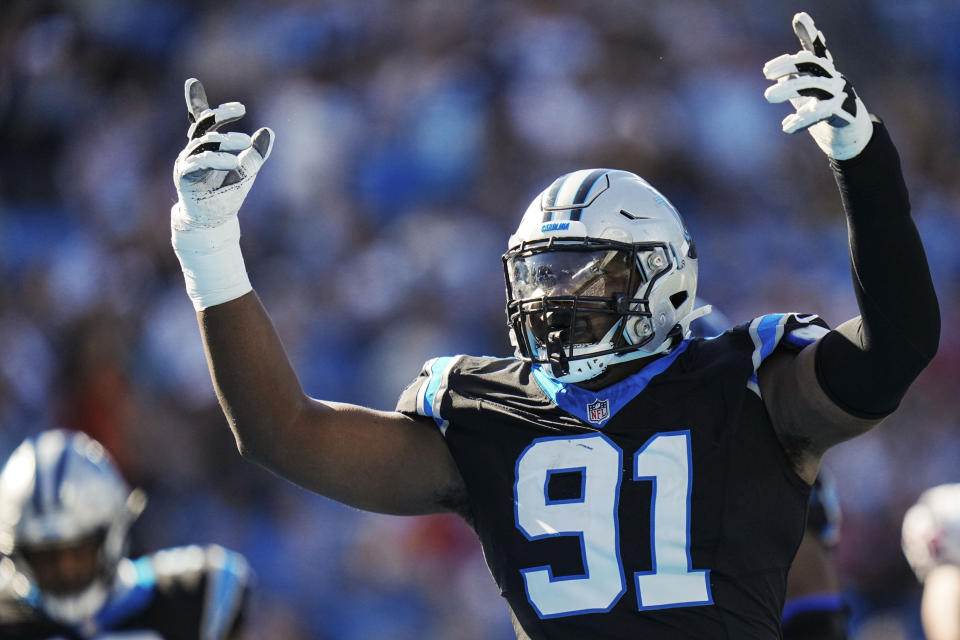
x: 598, y: 411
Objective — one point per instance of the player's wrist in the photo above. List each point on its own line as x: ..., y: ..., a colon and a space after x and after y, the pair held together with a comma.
x: 844, y: 143
x: 212, y: 263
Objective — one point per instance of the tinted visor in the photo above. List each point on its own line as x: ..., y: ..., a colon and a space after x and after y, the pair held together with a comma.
x: 572, y: 294
x: 569, y: 273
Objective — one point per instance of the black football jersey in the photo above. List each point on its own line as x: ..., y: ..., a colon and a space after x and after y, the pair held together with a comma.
x: 182, y: 593
x: 661, y: 507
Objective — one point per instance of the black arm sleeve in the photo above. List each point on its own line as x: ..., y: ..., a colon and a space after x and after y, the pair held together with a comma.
x: 867, y: 365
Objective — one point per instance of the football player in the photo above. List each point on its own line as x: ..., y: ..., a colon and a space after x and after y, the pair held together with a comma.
x: 931, y: 543
x: 64, y: 516
x: 624, y: 479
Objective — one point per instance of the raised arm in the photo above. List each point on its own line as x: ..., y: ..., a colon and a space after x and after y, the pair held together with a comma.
x: 374, y: 460
x: 854, y: 376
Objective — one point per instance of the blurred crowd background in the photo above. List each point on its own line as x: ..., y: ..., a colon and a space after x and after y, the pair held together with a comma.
x: 410, y: 138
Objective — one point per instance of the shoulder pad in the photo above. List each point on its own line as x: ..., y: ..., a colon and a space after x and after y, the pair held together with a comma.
x: 227, y: 580
x: 15, y: 586
x: 196, y: 558
x: 793, y: 331
x: 423, y: 396
x: 19, y: 598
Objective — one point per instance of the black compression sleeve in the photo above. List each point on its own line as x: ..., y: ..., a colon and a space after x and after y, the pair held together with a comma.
x: 867, y: 366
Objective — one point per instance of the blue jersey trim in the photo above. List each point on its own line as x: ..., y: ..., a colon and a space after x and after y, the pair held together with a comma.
x: 33, y: 598
x: 827, y: 602
x: 574, y: 399
x: 436, y: 377
x: 798, y: 341
x: 226, y: 586
x: 132, y: 601
x: 770, y: 330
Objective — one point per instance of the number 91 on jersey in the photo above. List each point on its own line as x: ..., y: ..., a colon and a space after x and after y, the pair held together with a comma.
x: 664, y: 460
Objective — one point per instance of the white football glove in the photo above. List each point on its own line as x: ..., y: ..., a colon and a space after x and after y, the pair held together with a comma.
x: 826, y: 104
x: 213, y: 175
x: 215, y: 171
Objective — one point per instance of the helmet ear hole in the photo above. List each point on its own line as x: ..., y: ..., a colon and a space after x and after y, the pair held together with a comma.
x: 678, y: 299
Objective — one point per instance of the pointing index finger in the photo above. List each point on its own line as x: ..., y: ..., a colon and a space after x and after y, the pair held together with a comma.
x: 196, y: 98
x: 810, y: 37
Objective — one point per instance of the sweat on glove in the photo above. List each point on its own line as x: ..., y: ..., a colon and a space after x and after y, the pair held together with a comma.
x: 826, y: 104
x: 213, y: 175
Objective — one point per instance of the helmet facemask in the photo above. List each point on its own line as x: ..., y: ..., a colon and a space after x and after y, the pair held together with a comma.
x: 601, y: 270
x: 578, y: 304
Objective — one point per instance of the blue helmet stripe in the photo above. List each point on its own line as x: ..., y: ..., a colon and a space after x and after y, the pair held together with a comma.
x: 59, y: 470
x: 584, y: 190
x: 550, y: 199
x: 223, y: 594
x: 37, y: 484
x: 436, y: 377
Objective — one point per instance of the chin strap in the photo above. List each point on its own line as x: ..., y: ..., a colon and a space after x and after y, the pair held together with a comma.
x: 687, y: 320
x: 560, y: 362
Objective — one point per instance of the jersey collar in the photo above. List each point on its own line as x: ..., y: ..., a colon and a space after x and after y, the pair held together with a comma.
x: 597, y: 407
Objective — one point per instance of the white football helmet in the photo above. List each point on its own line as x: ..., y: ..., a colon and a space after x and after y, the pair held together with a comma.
x: 601, y: 270
x: 57, y: 489
x: 931, y: 530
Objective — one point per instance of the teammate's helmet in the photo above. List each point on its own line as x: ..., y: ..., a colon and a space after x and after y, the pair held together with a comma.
x: 931, y: 530
x: 59, y: 490
x: 601, y: 270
